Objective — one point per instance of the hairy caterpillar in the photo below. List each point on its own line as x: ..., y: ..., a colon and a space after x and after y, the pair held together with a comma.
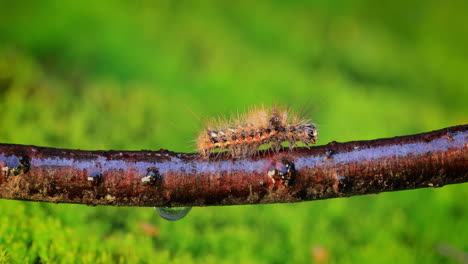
x: 242, y: 136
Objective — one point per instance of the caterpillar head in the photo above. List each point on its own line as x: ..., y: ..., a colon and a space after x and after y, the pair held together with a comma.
x: 309, y: 133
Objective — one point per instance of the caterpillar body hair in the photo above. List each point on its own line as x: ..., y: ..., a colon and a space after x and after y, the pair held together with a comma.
x: 243, y: 136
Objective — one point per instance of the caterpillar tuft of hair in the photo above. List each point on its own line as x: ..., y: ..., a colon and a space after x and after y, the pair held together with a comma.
x: 243, y: 136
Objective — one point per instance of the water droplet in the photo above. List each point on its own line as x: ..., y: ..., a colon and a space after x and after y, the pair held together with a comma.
x: 283, y: 171
x: 96, y: 178
x: 152, y: 177
x: 173, y: 213
x: 15, y: 165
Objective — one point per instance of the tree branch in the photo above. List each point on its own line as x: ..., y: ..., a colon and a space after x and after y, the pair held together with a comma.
x: 163, y: 178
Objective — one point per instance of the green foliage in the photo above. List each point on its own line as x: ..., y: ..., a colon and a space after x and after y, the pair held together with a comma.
x: 124, y: 75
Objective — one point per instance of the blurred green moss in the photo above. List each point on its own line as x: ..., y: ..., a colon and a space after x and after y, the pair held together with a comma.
x: 145, y: 75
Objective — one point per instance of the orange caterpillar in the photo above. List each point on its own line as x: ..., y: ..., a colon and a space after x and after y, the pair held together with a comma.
x: 260, y: 126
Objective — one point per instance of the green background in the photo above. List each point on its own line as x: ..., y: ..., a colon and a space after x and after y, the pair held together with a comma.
x: 146, y: 74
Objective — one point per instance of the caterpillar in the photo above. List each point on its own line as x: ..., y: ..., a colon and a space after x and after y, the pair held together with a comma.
x: 244, y: 135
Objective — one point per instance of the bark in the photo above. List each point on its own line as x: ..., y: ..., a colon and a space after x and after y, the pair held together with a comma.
x: 164, y: 178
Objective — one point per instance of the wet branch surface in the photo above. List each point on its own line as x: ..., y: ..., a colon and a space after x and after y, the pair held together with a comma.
x: 163, y: 178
